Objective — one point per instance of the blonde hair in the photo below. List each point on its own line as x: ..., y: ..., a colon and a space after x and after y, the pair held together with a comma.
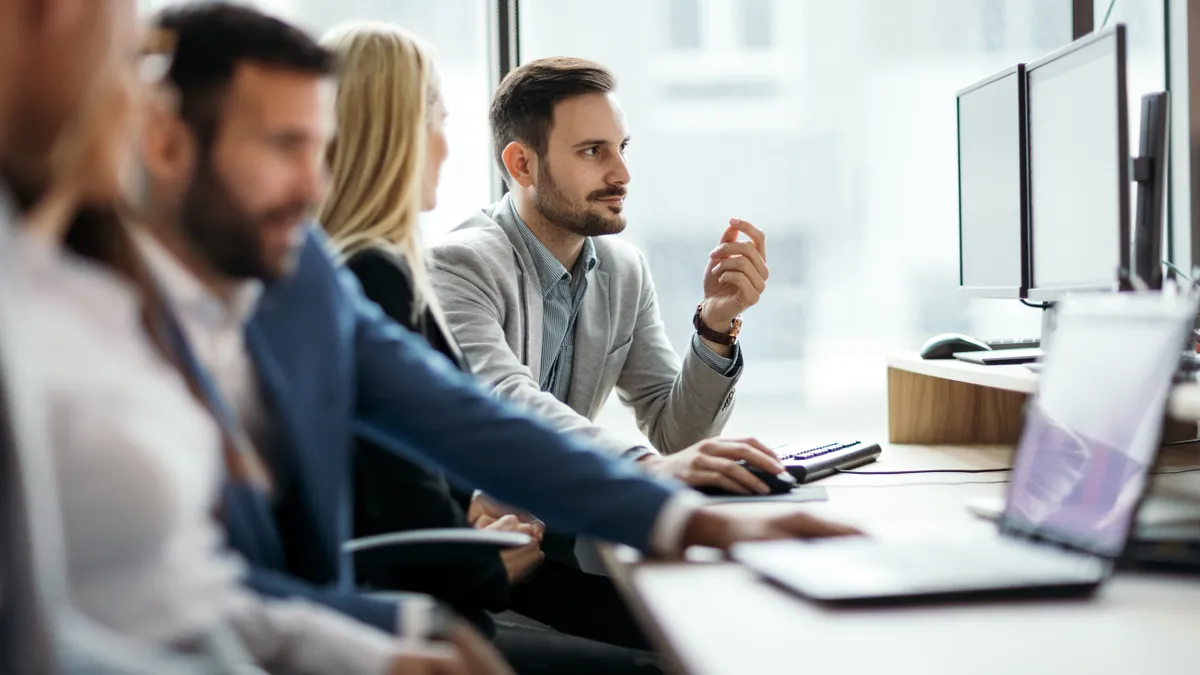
x: 386, y: 88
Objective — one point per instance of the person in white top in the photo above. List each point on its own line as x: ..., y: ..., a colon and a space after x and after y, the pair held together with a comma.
x: 136, y: 456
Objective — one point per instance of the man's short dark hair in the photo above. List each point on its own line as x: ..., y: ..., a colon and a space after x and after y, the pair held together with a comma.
x: 523, y: 108
x: 213, y: 38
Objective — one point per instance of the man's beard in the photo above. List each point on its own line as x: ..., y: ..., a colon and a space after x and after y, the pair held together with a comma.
x: 557, y: 208
x: 227, y: 235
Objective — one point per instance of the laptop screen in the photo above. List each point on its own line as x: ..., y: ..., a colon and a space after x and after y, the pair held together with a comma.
x: 1092, y: 431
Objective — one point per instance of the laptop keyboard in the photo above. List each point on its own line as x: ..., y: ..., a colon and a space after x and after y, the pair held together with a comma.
x: 933, y: 564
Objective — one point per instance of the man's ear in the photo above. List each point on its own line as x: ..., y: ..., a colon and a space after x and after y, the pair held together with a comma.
x: 169, y: 148
x: 521, y: 162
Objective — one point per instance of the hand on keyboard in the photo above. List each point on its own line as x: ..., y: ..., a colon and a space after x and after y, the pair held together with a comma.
x: 719, y: 529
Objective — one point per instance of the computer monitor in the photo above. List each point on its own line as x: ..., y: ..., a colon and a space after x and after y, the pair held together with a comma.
x: 1078, y: 167
x: 1150, y: 173
x: 992, y: 205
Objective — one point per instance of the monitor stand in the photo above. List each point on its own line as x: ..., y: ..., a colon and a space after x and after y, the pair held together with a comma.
x: 1049, y: 320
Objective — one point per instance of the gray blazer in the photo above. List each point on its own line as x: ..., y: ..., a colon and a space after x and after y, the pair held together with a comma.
x: 485, y: 279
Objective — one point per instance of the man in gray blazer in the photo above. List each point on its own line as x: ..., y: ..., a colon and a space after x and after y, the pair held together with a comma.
x: 554, y: 314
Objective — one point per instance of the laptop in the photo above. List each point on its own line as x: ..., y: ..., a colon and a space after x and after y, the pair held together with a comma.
x: 1091, y: 436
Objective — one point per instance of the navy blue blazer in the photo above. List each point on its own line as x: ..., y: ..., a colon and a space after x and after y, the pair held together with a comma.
x: 332, y: 364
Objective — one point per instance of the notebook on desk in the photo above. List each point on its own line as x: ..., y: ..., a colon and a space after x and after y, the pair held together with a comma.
x: 1082, y: 466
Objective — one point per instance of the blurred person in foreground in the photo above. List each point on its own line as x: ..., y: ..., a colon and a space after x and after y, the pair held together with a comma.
x: 135, y: 454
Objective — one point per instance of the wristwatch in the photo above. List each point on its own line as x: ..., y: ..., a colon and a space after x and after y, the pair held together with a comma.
x: 727, y: 339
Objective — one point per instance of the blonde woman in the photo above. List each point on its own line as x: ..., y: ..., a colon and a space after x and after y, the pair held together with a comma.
x: 385, y: 163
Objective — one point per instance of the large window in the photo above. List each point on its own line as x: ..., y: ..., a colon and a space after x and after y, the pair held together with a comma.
x: 459, y: 31
x: 831, y: 126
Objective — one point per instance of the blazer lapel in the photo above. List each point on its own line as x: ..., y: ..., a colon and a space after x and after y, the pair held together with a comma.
x: 305, y: 466
x: 592, y: 337
x: 531, y: 292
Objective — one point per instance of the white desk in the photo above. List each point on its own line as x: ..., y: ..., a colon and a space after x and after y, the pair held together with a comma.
x: 720, y: 619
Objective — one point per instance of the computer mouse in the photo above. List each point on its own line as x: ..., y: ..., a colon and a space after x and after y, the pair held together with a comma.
x: 777, y: 485
x: 945, y: 346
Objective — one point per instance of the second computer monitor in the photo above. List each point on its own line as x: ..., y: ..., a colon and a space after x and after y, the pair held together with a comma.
x: 991, y: 186
x: 1078, y: 167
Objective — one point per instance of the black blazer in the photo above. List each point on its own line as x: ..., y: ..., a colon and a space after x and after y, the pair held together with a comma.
x: 392, y: 494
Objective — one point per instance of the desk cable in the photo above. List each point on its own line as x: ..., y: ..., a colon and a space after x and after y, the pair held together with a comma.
x: 908, y: 473
x: 1169, y: 472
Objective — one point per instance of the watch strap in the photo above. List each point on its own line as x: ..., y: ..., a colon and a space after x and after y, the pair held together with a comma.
x: 727, y: 339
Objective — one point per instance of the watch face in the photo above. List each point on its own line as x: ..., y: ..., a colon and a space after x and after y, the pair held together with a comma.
x: 736, y: 327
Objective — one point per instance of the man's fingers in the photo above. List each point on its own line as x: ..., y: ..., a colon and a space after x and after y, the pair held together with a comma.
x: 525, y: 554
x: 757, y: 445
x: 743, y: 266
x: 733, y: 470
x: 701, y: 477
x: 738, y: 450
x: 756, y: 235
x: 805, y: 526
x: 430, y: 659
x: 451, y: 664
x: 743, y: 249
x: 507, y: 524
x: 529, y: 529
x: 730, y: 234
x: 745, y: 287
x: 520, y: 562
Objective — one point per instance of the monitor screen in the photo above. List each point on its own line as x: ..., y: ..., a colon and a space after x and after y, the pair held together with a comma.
x: 1078, y: 167
x: 991, y: 199
x: 1092, y: 432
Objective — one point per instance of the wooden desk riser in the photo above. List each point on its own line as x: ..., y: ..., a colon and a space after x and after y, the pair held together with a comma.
x: 952, y: 402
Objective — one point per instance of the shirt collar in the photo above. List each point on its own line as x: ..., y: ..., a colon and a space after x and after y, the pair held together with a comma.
x: 190, y: 297
x: 549, y: 270
x: 8, y: 212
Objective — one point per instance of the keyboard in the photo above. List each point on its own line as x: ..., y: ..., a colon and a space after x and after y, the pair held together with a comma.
x: 811, y: 464
x: 1014, y: 343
